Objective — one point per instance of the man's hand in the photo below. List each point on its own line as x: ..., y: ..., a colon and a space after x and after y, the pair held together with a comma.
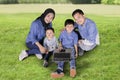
x: 80, y: 42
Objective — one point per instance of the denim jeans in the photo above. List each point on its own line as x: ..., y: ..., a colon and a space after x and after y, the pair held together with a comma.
x: 33, y: 49
x: 72, y: 61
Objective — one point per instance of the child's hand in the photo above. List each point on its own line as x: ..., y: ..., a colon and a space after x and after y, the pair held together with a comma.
x: 47, y: 51
x: 76, y: 55
x: 60, y: 48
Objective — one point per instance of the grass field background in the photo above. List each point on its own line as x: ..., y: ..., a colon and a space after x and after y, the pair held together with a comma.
x: 102, y: 63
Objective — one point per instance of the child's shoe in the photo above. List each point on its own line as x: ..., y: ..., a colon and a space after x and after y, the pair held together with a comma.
x: 73, y: 72
x: 57, y: 74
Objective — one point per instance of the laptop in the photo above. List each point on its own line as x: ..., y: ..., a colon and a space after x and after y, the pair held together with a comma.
x: 63, y: 55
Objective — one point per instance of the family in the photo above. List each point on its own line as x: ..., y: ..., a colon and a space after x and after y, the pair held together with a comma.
x: 80, y: 35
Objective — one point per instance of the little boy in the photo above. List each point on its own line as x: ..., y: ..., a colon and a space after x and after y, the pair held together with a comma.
x: 50, y: 43
x: 68, y: 39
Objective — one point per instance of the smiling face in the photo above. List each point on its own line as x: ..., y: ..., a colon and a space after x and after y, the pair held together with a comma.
x: 49, y: 34
x: 79, y: 18
x: 49, y: 18
x: 69, y: 28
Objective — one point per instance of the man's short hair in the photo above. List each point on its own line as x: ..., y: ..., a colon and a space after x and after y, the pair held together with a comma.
x: 77, y: 11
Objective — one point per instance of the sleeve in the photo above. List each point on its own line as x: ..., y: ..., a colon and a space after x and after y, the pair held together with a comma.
x: 60, y: 38
x: 33, y: 32
x: 75, y: 39
x: 92, y: 32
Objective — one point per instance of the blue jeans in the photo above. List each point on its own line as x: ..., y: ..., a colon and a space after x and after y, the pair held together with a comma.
x: 33, y: 49
x: 72, y: 61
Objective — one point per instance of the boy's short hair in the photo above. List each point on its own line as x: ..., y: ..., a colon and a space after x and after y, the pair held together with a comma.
x: 77, y: 11
x: 69, y: 21
x: 50, y: 28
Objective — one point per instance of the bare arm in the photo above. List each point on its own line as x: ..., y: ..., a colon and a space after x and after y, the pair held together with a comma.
x: 41, y: 48
x: 76, y: 51
x: 60, y: 46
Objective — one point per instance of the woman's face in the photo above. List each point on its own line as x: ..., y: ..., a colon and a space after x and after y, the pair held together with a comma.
x: 69, y: 28
x: 49, y: 34
x: 49, y: 17
x: 79, y: 18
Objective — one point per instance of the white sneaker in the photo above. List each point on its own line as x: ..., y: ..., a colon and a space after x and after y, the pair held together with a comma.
x: 23, y: 55
x: 39, y: 56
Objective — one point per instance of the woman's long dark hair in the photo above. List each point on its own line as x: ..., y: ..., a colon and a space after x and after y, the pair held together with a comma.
x: 49, y: 10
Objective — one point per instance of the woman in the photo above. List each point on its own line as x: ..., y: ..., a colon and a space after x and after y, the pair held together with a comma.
x: 36, y: 35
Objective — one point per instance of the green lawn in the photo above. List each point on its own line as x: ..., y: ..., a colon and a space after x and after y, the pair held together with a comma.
x: 103, y: 63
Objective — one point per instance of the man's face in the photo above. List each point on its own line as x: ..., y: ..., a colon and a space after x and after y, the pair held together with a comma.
x: 79, y: 18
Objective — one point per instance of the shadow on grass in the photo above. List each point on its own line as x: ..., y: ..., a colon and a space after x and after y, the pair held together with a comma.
x: 82, y: 63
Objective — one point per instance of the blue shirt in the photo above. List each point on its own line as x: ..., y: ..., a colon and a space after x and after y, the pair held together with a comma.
x: 88, y: 30
x: 68, y: 40
x: 37, y: 32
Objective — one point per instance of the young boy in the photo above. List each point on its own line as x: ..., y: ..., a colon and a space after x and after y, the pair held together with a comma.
x: 50, y: 43
x: 68, y: 39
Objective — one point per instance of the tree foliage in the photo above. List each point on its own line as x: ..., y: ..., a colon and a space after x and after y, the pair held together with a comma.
x: 8, y: 1
x: 110, y: 1
x: 61, y: 1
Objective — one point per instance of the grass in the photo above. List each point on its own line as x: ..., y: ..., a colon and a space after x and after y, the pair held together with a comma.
x: 102, y: 63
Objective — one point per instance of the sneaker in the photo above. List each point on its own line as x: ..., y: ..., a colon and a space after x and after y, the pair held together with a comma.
x: 72, y: 72
x: 23, y: 55
x: 45, y: 64
x: 81, y: 52
x: 39, y: 56
x: 57, y: 74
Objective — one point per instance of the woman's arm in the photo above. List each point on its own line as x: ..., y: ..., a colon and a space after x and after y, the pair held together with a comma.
x: 41, y: 48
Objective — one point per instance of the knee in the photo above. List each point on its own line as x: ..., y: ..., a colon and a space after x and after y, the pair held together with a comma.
x: 86, y: 47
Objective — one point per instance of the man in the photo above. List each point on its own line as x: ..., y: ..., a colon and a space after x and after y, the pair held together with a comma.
x: 87, y: 28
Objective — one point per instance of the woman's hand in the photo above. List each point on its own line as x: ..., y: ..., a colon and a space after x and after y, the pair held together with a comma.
x: 43, y: 49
